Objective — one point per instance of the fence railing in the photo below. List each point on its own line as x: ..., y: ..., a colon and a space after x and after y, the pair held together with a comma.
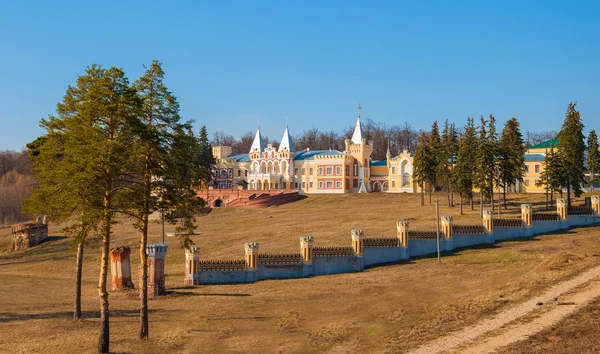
x: 545, y: 217
x: 381, y: 242
x: 508, y: 223
x: 281, y: 258
x: 423, y: 235
x: 333, y: 251
x: 223, y: 265
x: 581, y: 211
x: 468, y: 229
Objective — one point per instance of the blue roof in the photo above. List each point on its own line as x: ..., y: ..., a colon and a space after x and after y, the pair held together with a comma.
x: 379, y: 163
x: 309, y: 155
x: 240, y: 158
x: 533, y: 157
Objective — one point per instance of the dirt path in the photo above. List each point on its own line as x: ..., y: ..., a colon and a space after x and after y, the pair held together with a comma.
x: 454, y: 340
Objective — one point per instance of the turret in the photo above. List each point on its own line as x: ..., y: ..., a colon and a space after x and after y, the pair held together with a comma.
x: 192, y: 266
x: 120, y: 266
x: 527, y: 215
x: 596, y: 204
x: 561, y: 208
x: 447, y: 226
x: 306, y: 248
x: 251, y: 251
x: 358, y: 242
x: 221, y: 152
x: 488, y: 221
x: 402, y: 232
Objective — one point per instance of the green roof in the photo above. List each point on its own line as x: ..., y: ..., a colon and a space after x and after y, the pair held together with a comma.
x: 546, y: 144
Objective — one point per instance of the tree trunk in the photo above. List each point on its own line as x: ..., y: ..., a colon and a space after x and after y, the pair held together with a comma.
x: 504, y: 197
x: 144, y: 287
x: 448, y: 196
x: 78, y: 268
x: 547, y: 206
x: 471, y: 201
x: 422, y: 195
x: 452, y: 199
x: 429, y: 195
x: 461, y: 204
x: 569, y: 194
x: 104, y: 339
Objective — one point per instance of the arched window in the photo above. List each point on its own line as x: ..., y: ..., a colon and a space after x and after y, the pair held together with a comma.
x: 405, y: 179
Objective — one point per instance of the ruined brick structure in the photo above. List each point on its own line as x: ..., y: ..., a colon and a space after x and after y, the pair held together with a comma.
x: 156, y: 270
x: 29, y: 234
x: 121, y: 268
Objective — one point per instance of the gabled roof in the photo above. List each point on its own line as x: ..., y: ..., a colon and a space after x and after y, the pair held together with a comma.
x: 239, y: 158
x: 286, y: 142
x: 379, y: 163
x: 258, y: 143
x: 309, y: 155
x: 546, y: 144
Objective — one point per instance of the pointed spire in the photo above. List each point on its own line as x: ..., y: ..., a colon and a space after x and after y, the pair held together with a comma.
x: 286, y: 141
x: 258, y: 143
x: 388, y: 155
x: 357, y: 134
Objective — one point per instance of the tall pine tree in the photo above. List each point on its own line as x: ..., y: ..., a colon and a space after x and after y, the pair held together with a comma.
x: 593, y: 157
x: 422, y: 163
x: 571, y: 149
x: 511, y: 160
x: 462, y: 175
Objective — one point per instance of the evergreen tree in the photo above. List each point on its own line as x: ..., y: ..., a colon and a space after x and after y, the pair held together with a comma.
x: 206, y: 158
x: 421, y: 163
x: 89, y: 150
x: 571, y: 148
x: 511, y: 160
x: 433, y: 158
x: 485, y: 161
x: 462, y: 175
x: 593, y: 157
x: 553, y: 177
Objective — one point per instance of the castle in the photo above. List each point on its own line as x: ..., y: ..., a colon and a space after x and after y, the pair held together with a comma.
x: 331, y: 171
x: 313, y: 171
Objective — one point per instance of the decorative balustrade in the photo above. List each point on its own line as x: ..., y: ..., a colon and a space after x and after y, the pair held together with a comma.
x: 282, y: 258
x: 238, y: 264
x: 423, y: 235
x: 545, y: 217
x: 581, y: 211
x: 381, y: 242
x: 508, y: 222
x: 468, y: 229
x: 333, y: 251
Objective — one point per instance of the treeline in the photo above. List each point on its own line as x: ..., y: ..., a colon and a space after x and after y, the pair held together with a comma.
x: 16, y: 181
x: 116, y: 147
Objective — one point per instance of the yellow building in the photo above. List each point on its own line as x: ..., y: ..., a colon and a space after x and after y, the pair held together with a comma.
x: 534, y: 166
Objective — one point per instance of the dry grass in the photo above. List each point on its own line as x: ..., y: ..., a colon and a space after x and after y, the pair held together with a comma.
x: 383, y: 309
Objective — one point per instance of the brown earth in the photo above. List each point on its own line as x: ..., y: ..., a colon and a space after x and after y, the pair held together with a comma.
x: 392, y: 308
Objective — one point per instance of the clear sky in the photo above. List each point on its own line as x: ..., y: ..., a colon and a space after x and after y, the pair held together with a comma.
x: 231, y: 61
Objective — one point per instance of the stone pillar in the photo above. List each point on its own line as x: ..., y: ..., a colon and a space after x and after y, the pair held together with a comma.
x: 358, y: 242
x: 561, y: 208
x: 596, y: 204
x: 120, y: 268
x: 447, y: 226
x: 306, y: 248
x: 156, y: 269
x: 402, y: 232
x: 488, y: 221
x: 192, y: 266
x: 527, y: 215
x: 251, y: 250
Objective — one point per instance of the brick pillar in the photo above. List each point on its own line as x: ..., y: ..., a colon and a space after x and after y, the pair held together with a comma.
x: 488, y: 221
x: 192, y: 266
x: 561, y: 208
x: 120, y: 268
x: 447, y: 226
x: 156, y: 269
x: 596, y: 204
x: 358, y: 242
x: 527, y: 215
x: 402, y: 232
x: 251, y: 250
x: 306, y: 248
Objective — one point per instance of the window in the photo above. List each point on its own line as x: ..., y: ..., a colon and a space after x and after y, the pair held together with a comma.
x: 537, y: 168
x: 347, y: 170
x: 296, y: 171
x: 338, y: 170
x: 526, y: 183
x: 239, y: 173
x: 329, y: 170
x: 303, y: 171
x: 245, y: 173
x: 537, y: 183
x: 320, y: 185
x: 296, y: 185
x: 526, y: 168
x: 217, y: 173
x: 329, y: 184
x: 393, y: 170
x: 393, y: 183
x: 338, y: 184
x: 303, y: 185
x: 354, y: 183
x: 310, y: 171
x: 405, y: 179
x: 356, y: 169
x: 320, y: 171
x: 310, y: 185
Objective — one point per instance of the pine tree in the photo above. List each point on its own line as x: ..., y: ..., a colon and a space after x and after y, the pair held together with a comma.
x: 593, y: 157
x: 433, y: 159
x: 90, y: 148
x: 462, y: 176
x: 485, y: 161
x: 510, y: 156
x: 571, y: 149
x: 206, y: 157
x: 421, y: 163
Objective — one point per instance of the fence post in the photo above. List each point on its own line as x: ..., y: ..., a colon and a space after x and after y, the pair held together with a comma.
x: 358, y: 242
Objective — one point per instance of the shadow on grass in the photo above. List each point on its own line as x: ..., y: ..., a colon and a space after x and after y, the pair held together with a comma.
x: 6, y: 317
x: 186, y: 293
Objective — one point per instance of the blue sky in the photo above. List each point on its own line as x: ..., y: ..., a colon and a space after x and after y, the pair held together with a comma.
x: 229, y: 62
